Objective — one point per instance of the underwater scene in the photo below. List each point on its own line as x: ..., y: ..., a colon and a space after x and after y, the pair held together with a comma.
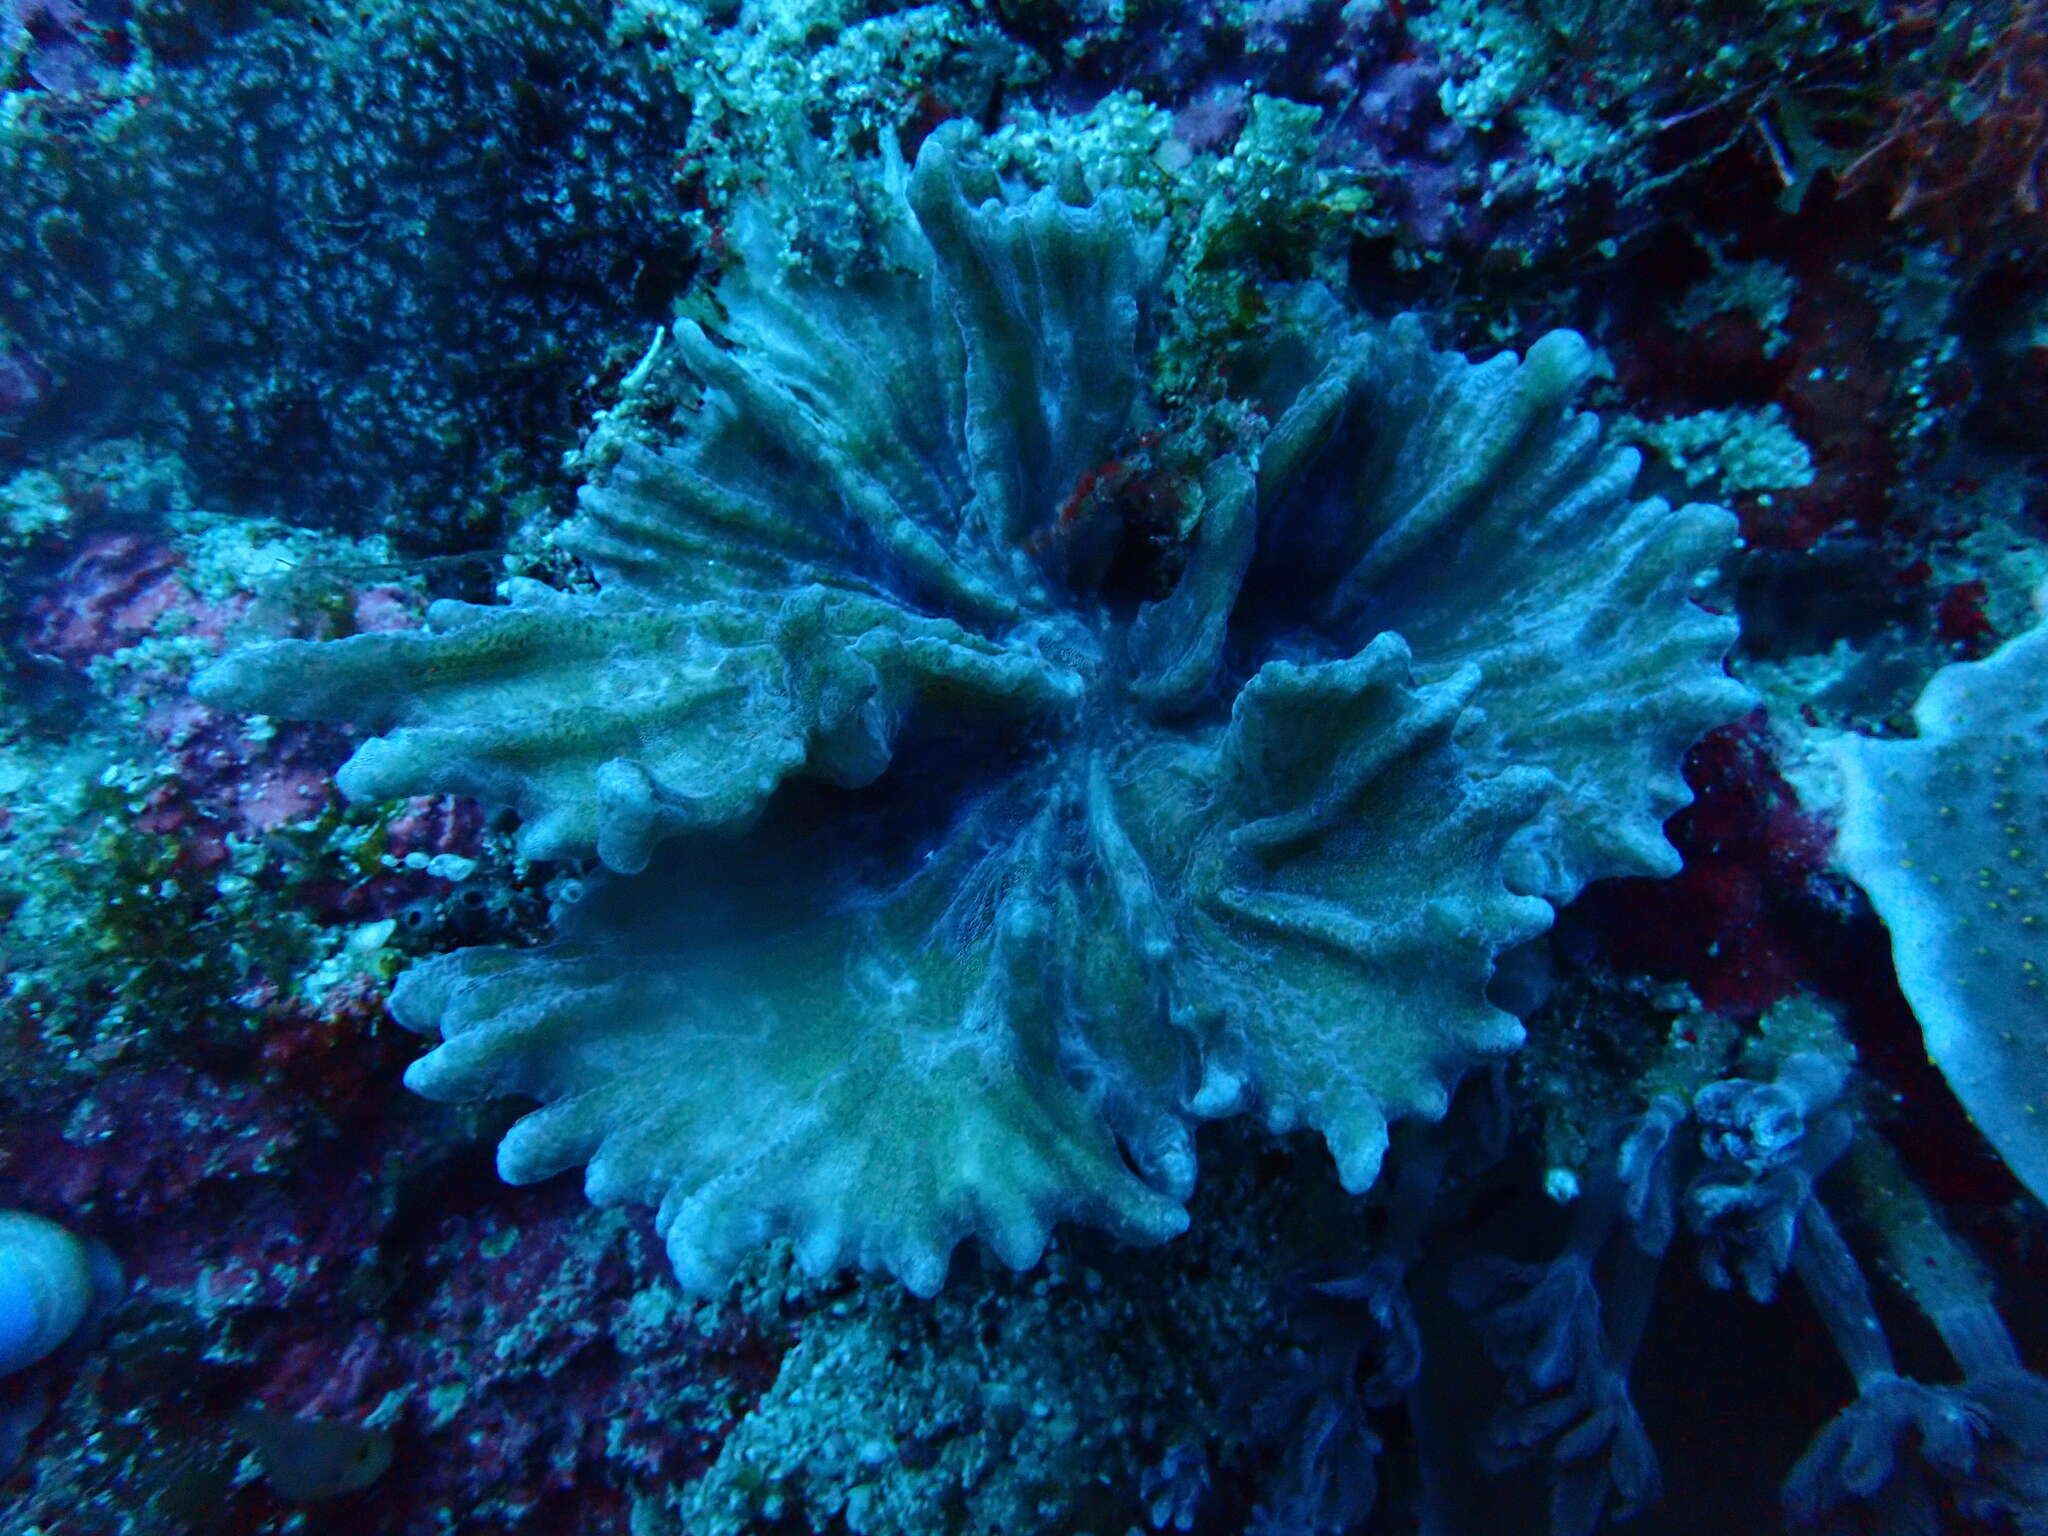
x: 1023, y: 767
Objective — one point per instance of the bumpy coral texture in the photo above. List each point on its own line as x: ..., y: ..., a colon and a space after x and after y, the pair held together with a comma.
x: 952, y: 874
x: 1949, y: 835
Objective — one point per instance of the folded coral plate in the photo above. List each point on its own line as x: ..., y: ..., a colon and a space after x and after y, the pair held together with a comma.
x: 962, y: 839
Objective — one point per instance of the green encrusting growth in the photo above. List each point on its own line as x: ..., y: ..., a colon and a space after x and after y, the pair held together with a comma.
x: 953, y: 877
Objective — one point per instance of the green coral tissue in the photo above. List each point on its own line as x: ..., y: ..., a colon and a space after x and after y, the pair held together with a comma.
x: 970, y: 832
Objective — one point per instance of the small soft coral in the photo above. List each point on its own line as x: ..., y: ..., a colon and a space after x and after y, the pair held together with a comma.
x: 955, y: 872
x: 1564, y: 1349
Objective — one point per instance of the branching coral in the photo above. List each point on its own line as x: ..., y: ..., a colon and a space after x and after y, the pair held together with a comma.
x: 966, y: 844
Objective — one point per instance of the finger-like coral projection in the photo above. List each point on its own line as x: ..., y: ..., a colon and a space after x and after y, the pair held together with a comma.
x: 965, y: 842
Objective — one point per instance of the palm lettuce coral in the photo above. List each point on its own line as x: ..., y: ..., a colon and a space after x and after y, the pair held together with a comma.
x: 963, y: 848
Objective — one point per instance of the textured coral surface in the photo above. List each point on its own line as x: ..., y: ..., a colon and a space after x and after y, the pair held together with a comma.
x: 968, y: 844
x: 1946, y: 834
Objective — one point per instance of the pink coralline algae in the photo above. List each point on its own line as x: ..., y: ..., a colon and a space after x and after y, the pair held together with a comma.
x: 113, y: 592
x: 1736, y: 922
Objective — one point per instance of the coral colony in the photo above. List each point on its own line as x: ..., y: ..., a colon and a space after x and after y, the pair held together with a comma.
x: 1277, y: 769
x: 1091, y: 832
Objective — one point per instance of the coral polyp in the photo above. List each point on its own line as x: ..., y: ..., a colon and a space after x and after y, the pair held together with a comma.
x: 964, y: 844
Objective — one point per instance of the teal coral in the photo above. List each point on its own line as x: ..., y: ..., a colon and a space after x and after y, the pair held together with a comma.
x: 969, y: 840
x: 1949, y: 835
